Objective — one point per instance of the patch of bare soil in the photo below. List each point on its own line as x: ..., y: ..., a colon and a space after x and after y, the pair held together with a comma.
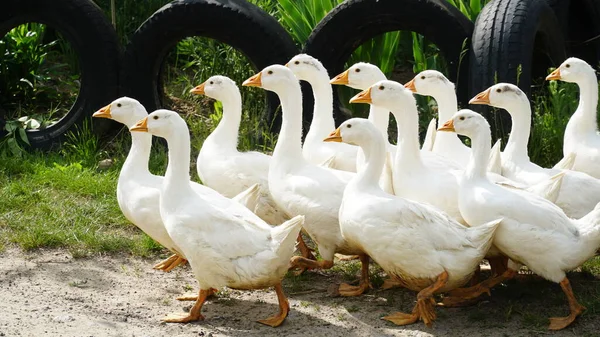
x: 49, y: 293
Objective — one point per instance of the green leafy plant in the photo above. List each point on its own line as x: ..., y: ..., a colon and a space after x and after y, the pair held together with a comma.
x: 470, y: 8
x: 15, y: 140
x: 22, y: 54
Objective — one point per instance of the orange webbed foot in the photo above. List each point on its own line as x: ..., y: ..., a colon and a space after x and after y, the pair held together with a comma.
x: 348, y: 290
x: 170, y: 263
x: 390, y: 283
x: 284, y: 309
x: 182, y: 318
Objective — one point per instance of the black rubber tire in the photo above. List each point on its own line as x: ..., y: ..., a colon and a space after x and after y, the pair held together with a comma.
x: 580, y: 23
x: 237, y: 23
x: 509, y: 33
x: 92, y: 37
x: 354, y: 22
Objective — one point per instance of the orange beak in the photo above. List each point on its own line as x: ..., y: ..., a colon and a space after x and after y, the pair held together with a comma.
x: 141, y: 126
x: 199, y: 90
x: 411, y: 85
x: 481, y: 98
x: 341, y: 78
x: 103, y: 113
x: 555, y: 75
x: 334, y: 136
x: 448, y: 126
x: 362, y: 97
x: 254, y: 81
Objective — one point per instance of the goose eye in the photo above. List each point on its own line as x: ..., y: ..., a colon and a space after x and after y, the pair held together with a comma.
x: 270, y: 72
x: 297, y: 62
x: 498, y: 90
x: 357, y: 70
x: 381, y: 87
x: 155, y: 117
x: 461, y: 118
x: 422, y: 77
x: 349, y: 126
x: 568, y: 65
x: 119, y: 105
x: 211, y: 82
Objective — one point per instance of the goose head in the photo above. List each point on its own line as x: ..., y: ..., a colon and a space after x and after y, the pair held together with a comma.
x: 276, y: 78
x: 386, y: 94
x: 124, y: 110
x: 162, y: 123
x: 430, y: 83
x: 360, y: 76
x: 217, y: 87
x: 572, y: 70
x: 502, y: 95
x: 307, y: 68
x: 465, y: 122
x: 354, y: 131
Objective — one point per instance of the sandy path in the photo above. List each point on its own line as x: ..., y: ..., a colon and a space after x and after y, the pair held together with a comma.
x: 52, y: 294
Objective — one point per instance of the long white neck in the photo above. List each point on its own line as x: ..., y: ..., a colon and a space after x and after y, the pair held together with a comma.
x: 225, y: 135
x: 375, y: 154
x: 516, y: 147
x: 447, y: 107
x: 480, y: 146
x: 289, y: 144
x: 177, y: 176
x: 584, y: 120
x: 381, y: 118
x: 136, y: 162
x: 322, y: 122
x: 408, y: 154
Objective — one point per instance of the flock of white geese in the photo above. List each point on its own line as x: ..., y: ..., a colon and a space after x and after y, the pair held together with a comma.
x: 427, y: 215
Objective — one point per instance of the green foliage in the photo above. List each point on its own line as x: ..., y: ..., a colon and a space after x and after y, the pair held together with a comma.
x: 15, y: 140
x: 22, y: 54
x: 81, y: 145
x: 551, y: 113
x: 300, y: 17
x: 470, y: 8
x: 426, y: 55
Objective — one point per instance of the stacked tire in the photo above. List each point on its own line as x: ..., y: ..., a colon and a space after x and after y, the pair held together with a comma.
x: 237, y: 23
x: 94, y: 40
x: 511, y: 41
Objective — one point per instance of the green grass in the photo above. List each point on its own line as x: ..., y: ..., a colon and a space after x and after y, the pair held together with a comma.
x: 61, y: 200
x: 53, y: 205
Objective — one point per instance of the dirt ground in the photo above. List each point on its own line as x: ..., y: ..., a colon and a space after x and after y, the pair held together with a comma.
x: 49, y: 293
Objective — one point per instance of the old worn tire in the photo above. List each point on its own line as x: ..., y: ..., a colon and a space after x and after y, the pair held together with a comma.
x: 354, y: 22
x: 508, y: 35
x: 580, y: 23
x: 92, y: 37
x: 237, y: 23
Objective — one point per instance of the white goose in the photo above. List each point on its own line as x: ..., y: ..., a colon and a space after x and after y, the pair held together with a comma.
x: 298, y: 186
x: 417, y: 244
x: 362, y: 76
x: 579, y: 192
x: 582, y: 138
x: 434, y: 83
x: 414, y: 177
x: 138, y: 189
x: 533, y: 232
x: 342, y: 156
x: 220, y: 165
x: 224, y: 248
x: 422, y: 178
